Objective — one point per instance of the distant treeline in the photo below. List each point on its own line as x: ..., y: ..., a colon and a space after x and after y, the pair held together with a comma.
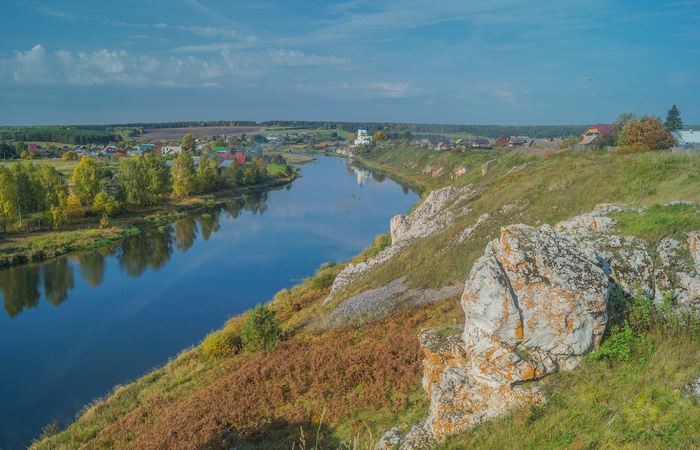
x: 58, y: 134
x: 396, y: 130
x: 155, y: 125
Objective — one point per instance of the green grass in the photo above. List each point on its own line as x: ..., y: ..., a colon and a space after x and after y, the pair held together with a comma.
x: 659, y: 222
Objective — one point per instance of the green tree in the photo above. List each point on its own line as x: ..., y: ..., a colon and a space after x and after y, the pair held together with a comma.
x: 407, y: 138
x: 74, y: 209
x: 104, y: 204
x: 183, y: 175
x: 673, y: 119
x: 20, y: 147
x: 8, y: 198
x: 85, y: 181
x: 133, y: 182
x: 188, y: 142
x: 158, y: 177
x: 261, y: 330
x: 207, y: 174
x: 52, y: 189
x: 261, y: 167
x: 249, y: 176
x: 6, y: 151
x: 25, y: 190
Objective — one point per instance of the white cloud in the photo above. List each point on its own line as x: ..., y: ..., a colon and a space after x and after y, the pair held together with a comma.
x: 37, y: 66
x: 506, y: 96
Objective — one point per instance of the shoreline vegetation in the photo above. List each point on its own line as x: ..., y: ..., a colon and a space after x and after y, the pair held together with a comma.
x: 344, y: 386
x: 89, y: 232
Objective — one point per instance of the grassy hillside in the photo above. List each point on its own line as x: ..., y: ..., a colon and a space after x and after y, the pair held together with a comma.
x: 343, y: 388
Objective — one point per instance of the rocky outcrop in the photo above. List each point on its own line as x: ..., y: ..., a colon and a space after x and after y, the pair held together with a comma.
x: 486, y: 166
x: 534, y: 303
x: 437, y: 213
x: 458, y: 172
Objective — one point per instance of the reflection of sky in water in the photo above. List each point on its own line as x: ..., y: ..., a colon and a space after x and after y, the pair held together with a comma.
x: 123, y: 310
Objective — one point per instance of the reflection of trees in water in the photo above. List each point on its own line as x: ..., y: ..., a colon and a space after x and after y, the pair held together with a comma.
x: 185, y: 233
x: 58, y: 280
x: 209, y: 223
x: 20, y: 288
x: 378, y: 177
x: 92, y: 264
x: 150, y: 248
x: 255, y: 202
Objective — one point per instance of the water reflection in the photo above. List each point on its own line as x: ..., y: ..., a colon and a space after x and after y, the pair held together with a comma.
x: 362, y: 174
x: 58, y: 280
x: 20, y: 289
x: 150, y: 249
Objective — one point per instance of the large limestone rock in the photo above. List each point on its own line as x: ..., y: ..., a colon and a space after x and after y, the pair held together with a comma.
x: 533, y: 303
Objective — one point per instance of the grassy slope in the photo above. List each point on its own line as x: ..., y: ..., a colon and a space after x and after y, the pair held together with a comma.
x: 337, y: 394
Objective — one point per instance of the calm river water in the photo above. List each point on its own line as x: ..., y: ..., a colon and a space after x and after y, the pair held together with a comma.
x: 75, y: 326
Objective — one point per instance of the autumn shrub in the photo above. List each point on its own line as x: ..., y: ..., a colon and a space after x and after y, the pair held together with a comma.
x: 69, y: 155
x: 221, y: 343
x: 261, y: 330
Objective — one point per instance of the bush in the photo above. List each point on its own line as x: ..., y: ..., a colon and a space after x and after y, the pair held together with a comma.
x: 323, y: 279
x: 69, y: 155
x: 221, y: 343
x: 261, y: 330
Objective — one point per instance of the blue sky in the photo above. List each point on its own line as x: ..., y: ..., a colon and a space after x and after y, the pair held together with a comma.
x: 445, y: 61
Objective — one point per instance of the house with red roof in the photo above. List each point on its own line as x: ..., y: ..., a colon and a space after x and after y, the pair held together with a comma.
x: 602, y: 129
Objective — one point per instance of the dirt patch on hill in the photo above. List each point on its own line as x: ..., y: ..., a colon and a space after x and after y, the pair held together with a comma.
x: 177, y: 133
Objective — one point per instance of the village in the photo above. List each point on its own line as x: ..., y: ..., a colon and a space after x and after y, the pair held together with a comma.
x: 240, y: 149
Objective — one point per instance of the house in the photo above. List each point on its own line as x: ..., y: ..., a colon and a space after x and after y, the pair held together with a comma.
x: 171, y: 150
x: 518, y: 141
x: 552, y: 144
x: 480, y: 143
x: 686, y: 138
x: 602, y: 130
x: 158, y: 144
x: 239, y: 158
x: 442, y: 144
x: 110, y: 150
x: 34, y: 147
x: 143, y: 147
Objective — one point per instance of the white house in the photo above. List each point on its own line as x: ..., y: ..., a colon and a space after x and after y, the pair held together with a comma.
x: 363, y: 137
x: 687, y: 138
x: 172, y: 149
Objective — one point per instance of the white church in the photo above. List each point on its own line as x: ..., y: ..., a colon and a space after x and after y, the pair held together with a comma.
x: 363, y: 137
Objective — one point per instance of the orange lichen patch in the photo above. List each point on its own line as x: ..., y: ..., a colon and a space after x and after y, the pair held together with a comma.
x: 694, y: 247
x: 519, y: 329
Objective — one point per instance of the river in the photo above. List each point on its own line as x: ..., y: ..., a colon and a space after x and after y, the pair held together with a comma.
x: 75, y: 326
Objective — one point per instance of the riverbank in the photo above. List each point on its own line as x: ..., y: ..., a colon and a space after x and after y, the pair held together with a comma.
x: 345, y: 386
x: 21, y: 248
